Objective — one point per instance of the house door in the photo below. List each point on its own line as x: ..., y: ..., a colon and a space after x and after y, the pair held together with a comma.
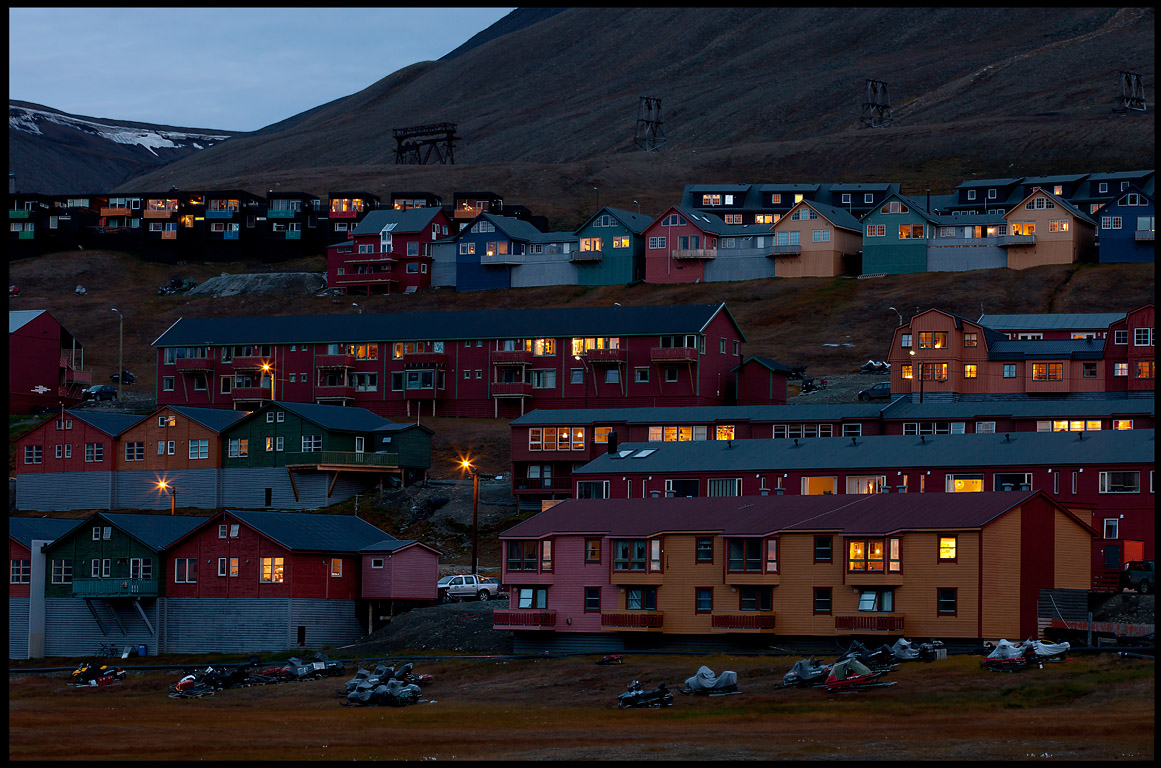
x: 358, y: 445
x: 1112, y: 556
x: 269, y: 496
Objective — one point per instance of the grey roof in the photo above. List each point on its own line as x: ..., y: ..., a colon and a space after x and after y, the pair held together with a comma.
x: 216, y: 419
x: 915, y: 204
x: 840, y: 217
x: 1048, y: 349
x: 824, y: 412
x: 25, y: 529
x: 519, y: 229
x: 990, y: 182
x: 717, y: 187
x: 403, y: 428
x: 341, y: 418
x: 110, y: 423
x: 881, y: 452
x: 394, y: 545
x: 762, y: 515
x: 951, y: 220
x: 1060, y: 202
x: 634, y: 222
x: 1045, y: 322
x: 940, y: 202
x: 1054, y: 179
x: 154, y: 531
x: 868, y: 187
x: 310, y: 532
x: 409, y: 220
x: 475, y: 324
x: 790, y: 187
x: 765, y: 362
x: 18, y: 318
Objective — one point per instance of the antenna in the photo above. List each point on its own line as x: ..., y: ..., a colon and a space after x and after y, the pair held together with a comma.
x: 1132, y: 96
x: 650, y: 135
x: 876, y: 105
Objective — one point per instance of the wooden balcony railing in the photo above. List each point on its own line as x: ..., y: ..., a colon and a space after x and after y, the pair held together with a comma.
x: 693, y: 254
x: 605, y: 356
x: 632, y: 619
x: 115, y: 587
x: 862, y: 622
x: 742, y: 620
x: 512, y: 357
x: 194, y: 364
x: 334, y: 361
x: 1007, y: 240
x: 505, y: 618
x: 673, y: 355
x: 774, y: 251
x: 511, y: 389
x: 342, y: 458
x: 335, y: 392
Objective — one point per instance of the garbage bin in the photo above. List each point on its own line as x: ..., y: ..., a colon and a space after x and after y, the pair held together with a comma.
x: 142, y: 650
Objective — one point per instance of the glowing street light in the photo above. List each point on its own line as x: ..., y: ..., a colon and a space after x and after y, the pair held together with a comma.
x: 169, y: 488
x: 466, y: 465
x: 266, y: 368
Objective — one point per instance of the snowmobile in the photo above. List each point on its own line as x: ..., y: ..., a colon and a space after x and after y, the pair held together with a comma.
x: 612, y: 658
x: 637, y: 697
x: 850, y: 674
x: 904, y: 650
x: 393, y: 693
x: 1012, y: 657
x: 880, y: 658
x: 89, y: 676
x: 806, y: 673
x: 705, y: 683
x: 406, y: 676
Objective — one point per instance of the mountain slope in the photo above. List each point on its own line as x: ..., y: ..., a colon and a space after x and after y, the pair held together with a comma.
x: 53, y: 152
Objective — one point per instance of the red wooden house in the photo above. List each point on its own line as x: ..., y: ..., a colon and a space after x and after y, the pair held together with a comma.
x: 387, y: 251
x: 45, y: 362
x: 1130, y: 356
x: 761, y: 381
x: 26, y: 609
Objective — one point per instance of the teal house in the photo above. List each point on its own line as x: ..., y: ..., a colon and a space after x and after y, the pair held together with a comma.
x: 895, y: 236
x: 611, y: 250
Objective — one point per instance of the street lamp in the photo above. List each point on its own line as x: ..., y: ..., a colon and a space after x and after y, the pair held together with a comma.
x: 588, y: 373
x: 266, y: 368
x: 121, y: 353
x: 466, y: 464
x: 162, y: 485
x: 898, y: 313
x: 920, y: 374
x: 598, y: 197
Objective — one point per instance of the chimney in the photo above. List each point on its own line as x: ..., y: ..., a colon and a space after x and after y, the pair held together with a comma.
x: 729, y: 445
x: 929, y: 200
x: 854, y: 442
x: 923, y: 439
x: 1080, y: 436
x: 612, y: 442
x: 796, y: 442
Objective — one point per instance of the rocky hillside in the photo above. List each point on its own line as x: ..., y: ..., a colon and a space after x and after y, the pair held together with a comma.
x: 548, y: 110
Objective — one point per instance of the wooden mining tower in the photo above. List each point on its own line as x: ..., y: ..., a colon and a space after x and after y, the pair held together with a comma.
x: 415, y: 145
x: 650, y: 135
x: 876, y: 105
x: 1132, y: 98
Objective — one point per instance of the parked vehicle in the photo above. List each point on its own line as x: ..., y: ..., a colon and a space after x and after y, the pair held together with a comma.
x: 806, y: 673
x: 88, y: 675
x: 850, y: 674
x: 100, y: 392
x: 393, y: 693
x: 637, y: 697
x: 706, y: 683
x: 216, y: 677
x: 13, y: 291
x: 880, y: 391
x: 176, y: 285
x: 125, y: 377
x: 467, y: 586
x: 880, y: 658
x: 905, y: 650
x: 1014, y: 657
x: 1138, y: 575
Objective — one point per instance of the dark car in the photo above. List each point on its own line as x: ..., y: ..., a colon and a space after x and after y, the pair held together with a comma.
x: 1138, y: 575
x: 881, y: 391
x: 100, y: 392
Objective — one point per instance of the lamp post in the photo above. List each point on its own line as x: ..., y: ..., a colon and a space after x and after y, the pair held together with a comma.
x: 266, y: 368
x: 172, y: 491
x: 121, y: 351
x: 588, y: 373
x: 919, y: 373
x: 900, y: 314
x: 598, y: 197
x: 467, y: 465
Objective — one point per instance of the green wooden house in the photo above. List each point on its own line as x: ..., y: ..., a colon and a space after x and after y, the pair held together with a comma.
x: 895, y: 236
x: 611, y: 250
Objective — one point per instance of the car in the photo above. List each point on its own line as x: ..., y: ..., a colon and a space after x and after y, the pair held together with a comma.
x: 100, y: 392
x: 881, y: 391
x: 1138, y: 575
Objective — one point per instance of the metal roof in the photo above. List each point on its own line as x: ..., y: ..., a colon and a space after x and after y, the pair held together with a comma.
x: 407, y: 326
x: 155, y: 531
x: 311, y: 532
x: 880, y: 452
x: 765, y: 362
x: 216, y: 419
x: 394, y: 545
x: 1054, y: 349
x: 634, y: 222
x: 18, y: 318
x: 409, y: 220
x: 111, y: 424
x: 763, y: 515
x: 341, y: 418
x: 990, y: 182
x: 1045, y: 322
x: 840, y: 217
x: 25, y: 529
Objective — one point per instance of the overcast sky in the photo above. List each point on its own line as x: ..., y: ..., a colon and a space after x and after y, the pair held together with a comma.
x: 234, y: 69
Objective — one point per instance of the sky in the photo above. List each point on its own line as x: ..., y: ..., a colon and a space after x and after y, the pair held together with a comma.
x: 229, y: 69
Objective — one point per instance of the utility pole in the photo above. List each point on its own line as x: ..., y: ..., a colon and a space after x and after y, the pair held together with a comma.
x: 121, y: 353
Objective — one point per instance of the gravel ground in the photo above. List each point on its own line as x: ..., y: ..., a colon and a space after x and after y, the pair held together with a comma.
x: 840, y: 387
x: 462, y: 627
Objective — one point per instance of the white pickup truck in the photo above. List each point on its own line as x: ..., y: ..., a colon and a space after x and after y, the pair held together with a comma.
x: 467, y: 586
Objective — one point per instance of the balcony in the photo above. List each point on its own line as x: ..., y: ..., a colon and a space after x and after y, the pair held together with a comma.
x: 349, y: 214
x: 334, y: 361
x: 281, y: 214
x: 526, y: 619
x: 249, y: 362
x: 1008, y: 240
x: 420, y: 393
x: 501, y: 259
x: 250, y: 393
x: 695, y: 254
x: 866, y: 622
x: 1144, y: 235
x: 343, y: 459
x: 511, y: 389
x: 18, y: 214
x: 231, y: 235
x: 512, y: 357
x: 114, y: 587
x: 73, y: 376
x: 733, y: 621
x: 632, y: 620
x: 673, y: 355
x: 425, y: 360
x: 533, y: 485
x: 368, y: 278
x: 158, y: 214
x: 169, y: 234
x: 774, y: 251
x: 227, y: 213
x: 372, y: 258
x: 116, y: 212
x: 336, y: 392
x: 585, y: 256
x: 605, y: 356
x: 26, y: 235
x: 190, y: 364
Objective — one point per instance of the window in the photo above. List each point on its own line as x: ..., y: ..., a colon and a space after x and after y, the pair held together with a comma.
x: 239, y: 447
x: 932, y: 339
x: 62, y: 571
x: 1121, y: 337
x: 865, y: 555
x: 877, y: 600
x: 744, y: 555
x: 985, y: 427
x: 199, y: 449
x: 1122, y: 423
x: 1120, y: 369
x: 703, y: 599
x: 185, y: 570
x: 272, y: 570
x: 167, y: 383
x: 1120, y: 482
x: 866, y: 484
x: 730, y: 486
x: 1009, y: 370
x: 755, y: 598
x: 1047, y: 371
x: 822, y: 599
x: 894, y: 561
x: 965, y: 483
x: 94, y: 452
x: 641, y: 599
x: 822, y: 549
x: 1144, y: 371
x: 376, y: 562
x: 1110, y: 528
x: 592, y: 550
x: 21, y: 572
x: 671, y: 373
x: 521, y: 555
x: 612, y: 375
x: 970, y: 370
x: 1012, y: 481
x: 33, y: 454
x: 1088, y: 370
x: 947, y: 549
x: 311, y: 443
x: 135, y: 451
x: 546, y: 555
x: 946, y: 601
x: 592, y: 599
x: 629, y: 554
x: 1142, y: 337
x: 336, y: 567
x: 704, y: 550
x: 592, y: 489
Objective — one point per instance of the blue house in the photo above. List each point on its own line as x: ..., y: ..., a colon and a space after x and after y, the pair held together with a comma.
x: 988, y: 195
x: 1125, y: 227
x: 502, y: 252
x: 611, y: 250
x: 896, y: 235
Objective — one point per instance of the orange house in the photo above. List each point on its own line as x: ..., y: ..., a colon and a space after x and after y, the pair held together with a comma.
x: 1046, y: 229
x: 816, y: 240
x: 744, y: 569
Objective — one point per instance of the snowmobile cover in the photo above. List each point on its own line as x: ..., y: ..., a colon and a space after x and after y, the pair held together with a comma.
x: 807, y: 669
x: 705, y: 680
x: 1047, y: 649
x: 848, y: 668
x: 1006, y: 650
x: 903, y: 649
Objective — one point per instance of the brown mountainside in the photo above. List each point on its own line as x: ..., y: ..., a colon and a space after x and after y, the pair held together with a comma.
x: 549, y: 110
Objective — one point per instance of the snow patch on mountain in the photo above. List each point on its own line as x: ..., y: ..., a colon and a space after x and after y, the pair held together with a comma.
x: 26, y: 119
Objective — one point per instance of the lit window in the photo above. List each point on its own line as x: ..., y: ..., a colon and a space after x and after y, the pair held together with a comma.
x: 965, y: 483
x: 947, y: 547
x: 272, y: 570
x: 969, y: 371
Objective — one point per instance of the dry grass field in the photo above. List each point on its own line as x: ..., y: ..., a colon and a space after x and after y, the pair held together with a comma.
x: 1088, y: 707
